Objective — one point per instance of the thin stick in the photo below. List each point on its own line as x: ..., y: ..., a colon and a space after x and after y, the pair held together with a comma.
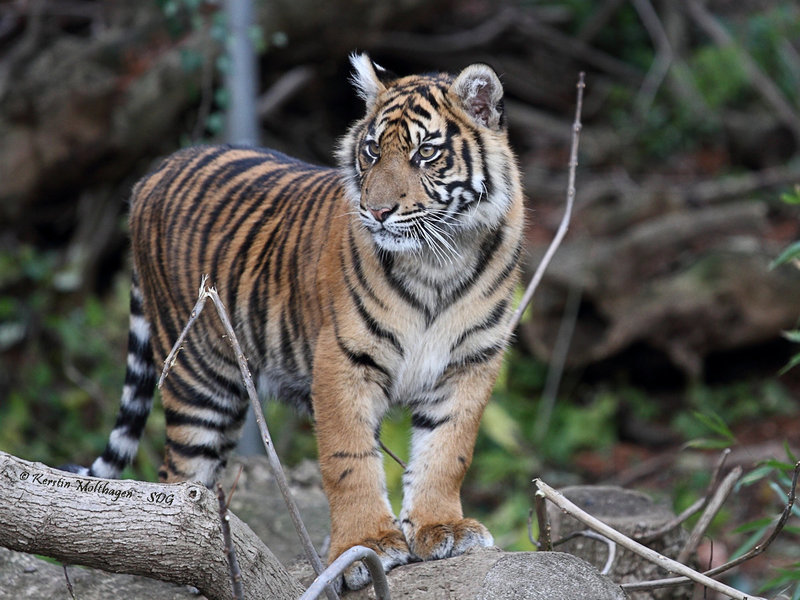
x: 760, y: 81
x: 562, y: 228
x: 233, y: 487
x: 272, y: 457
x: 754, y: 551
x: 612, y: 548
x: 230, y: 551
x: 169, y: 362
x: 347, y: 558
x: 709, y: 513
x: 643, y: 551
x: 69, y: 583
x: 557, y: 362
x: 697, y: 505
x: 545, y: 543
x: 397, y: 459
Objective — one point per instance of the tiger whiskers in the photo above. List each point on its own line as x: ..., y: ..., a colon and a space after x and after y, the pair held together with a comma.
x: 481, y: 194
x: 438, y: 238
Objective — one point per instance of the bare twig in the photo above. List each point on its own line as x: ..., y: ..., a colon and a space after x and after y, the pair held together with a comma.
x: 612, y: 548
x: 545, y: 542
x: 69, y: 583
x: 754, y: 551
x: 230, y: 551
x: 598, y: 20
x: 760, y: 81
x: 697, y: 505
x: 557, y: 362
x: 233, y: 487
x: 709, y: 513
x: 283, y: 90
x: 272, y: 457
x: 206, y: 87
x: 666, y: 563
x: 663, y: 58
x: 562, y: 228
x: 576, y: 49
x: 347, y: 558
x: 397, y: 459
x: 169, y: 362
x: 459, y: 41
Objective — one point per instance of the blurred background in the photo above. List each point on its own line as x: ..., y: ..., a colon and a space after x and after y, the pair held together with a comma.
x: 662, y: 330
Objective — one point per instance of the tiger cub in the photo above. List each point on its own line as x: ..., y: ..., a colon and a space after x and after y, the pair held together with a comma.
x: 387, y: 281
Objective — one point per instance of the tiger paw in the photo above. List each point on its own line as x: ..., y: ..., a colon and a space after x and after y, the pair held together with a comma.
x: 443, y: 540
x: 391, y: 548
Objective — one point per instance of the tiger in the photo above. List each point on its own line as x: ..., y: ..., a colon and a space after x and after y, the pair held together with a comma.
x: 386, y: 281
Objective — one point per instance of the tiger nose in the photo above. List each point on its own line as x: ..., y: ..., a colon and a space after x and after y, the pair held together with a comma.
x: 382, y: 213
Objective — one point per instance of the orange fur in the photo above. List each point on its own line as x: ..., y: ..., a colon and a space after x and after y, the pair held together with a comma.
x: 385, y: 282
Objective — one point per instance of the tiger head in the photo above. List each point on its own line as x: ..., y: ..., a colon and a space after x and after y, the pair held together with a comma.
x: 430, y: 162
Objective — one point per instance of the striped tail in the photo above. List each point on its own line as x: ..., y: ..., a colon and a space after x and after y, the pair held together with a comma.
x: 137, y: 397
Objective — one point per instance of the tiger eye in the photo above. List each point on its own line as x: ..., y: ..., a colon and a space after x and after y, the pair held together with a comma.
x: 373, y: 149
x: 426, y: 151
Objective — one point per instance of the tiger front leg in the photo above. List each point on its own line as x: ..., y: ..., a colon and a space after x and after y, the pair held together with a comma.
x: 348, y: 407
x: 442, y: 443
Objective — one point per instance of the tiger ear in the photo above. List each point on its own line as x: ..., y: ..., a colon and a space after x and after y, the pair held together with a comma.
x: 481, y: 94
x: 369, y: 78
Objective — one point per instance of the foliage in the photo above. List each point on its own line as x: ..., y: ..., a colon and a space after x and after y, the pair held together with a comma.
x: 66, y: 359
x: 775, y: 475
x: 791, y: 254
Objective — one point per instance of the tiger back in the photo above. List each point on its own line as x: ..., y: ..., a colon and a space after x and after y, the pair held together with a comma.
x: 385, y: 282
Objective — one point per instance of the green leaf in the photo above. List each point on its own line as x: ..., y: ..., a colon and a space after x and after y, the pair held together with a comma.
x: 789, y: 454
x: 757, y: 525
x: 789, y: 254
x: 750, y: 542
x: 790, y: 365
x: 707, y: 444
x: 756, y: 475
x: 792, y: 197
x: 716, y: 424
x: 792, y: 336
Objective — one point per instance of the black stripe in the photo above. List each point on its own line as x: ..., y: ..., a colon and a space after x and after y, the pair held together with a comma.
x: 476, y: 358
x: 490, y: 321
x: 387, y: 264
x: 370, y: 321
x: 176, y: 418
x: 360, y: 359
x: 195, y: 396
x: 112, y: 457
x: 358, y: 269
x: 419, y: 421
x: 358, y: 455
x: 194, y: 450
x: 488, y: 251
x: 507, y: 271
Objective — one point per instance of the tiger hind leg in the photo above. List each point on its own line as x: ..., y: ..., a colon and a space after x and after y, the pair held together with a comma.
x: 201, y: 430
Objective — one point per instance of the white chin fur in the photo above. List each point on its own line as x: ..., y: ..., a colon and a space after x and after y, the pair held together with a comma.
x: 392, y: 243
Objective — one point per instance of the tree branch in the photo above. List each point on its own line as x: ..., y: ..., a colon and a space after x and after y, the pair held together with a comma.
x: 562, y: 228
x: 170, y: 532
x: 666, y: 563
